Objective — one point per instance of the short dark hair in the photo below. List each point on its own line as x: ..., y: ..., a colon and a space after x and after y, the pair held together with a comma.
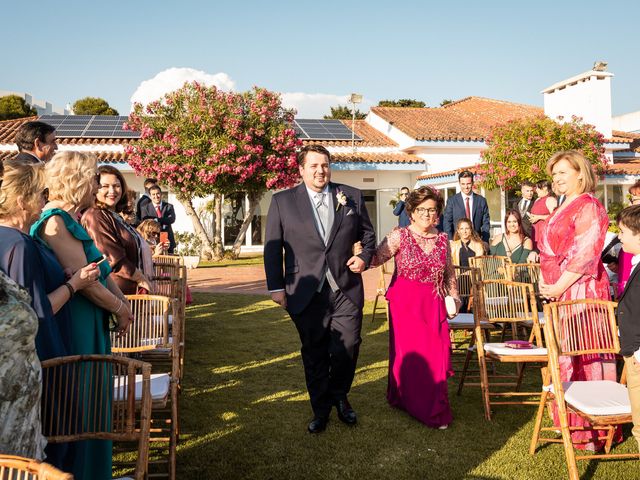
x: 630, y: 218
x: 544, y: 184
x: 302, y: 154
x: 527, y: 183
x: 635, y: 187
x: 422, y: 194
x: 28, y: 132
x: 405, y: 188
x: 155, y: 187
x: 465, y: 174
x: 149, y: 182
x: 123, y: 204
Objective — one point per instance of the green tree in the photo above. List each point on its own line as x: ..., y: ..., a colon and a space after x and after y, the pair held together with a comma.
x: 403, y: 102
x: 202, y: 141
x: 93, y: 106
x: 343, y: 113
x: 519, y: 150
x: 446, y: 101
x: 13, y: 106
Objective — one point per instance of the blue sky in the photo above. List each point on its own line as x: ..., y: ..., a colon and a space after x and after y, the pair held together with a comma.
x: 62, y: 51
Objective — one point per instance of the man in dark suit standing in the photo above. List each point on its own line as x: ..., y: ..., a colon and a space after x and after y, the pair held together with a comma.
x: 467, y: 204
x: 523, y: 206
x: 400, y: 211
x: 311, y: 230
x: 162, y: 212
x: 144, y: 199
x: 36, y: 142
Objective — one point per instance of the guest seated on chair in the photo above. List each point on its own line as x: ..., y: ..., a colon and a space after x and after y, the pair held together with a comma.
x: 513, y: 243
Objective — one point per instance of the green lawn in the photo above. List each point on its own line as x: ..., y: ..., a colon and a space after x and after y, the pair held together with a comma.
x: 227, y: 262
x: 244, y: 413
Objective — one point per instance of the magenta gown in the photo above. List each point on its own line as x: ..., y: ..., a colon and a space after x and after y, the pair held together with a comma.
x: 572, y: 239
x: 419, y: 343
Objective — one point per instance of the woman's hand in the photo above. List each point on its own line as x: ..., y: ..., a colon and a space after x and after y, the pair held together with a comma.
x: 552, y: 291
x: 85, y: 277
x: 533, y: 257
x: 124, y: 316
x: 145, y: 283
x: 158, y: 249
x: 458, y: 303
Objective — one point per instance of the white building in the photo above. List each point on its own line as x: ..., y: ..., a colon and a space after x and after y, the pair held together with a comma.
x: 43, y: 107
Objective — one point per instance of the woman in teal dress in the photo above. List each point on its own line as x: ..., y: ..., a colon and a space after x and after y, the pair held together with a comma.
x: 513, y: 243
x: 72, y: 185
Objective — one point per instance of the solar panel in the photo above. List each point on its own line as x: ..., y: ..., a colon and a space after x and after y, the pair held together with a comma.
x: 309, y: 129
x: 89, y: 126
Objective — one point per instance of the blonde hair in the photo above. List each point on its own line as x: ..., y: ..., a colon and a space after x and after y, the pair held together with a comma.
x: 20, y: 180
x: 578, y: 162
x: 147, y: 228
x: 71, y: 175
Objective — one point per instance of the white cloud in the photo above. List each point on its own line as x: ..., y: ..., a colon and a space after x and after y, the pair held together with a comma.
x: 316, y: 105
x: 173, y: 78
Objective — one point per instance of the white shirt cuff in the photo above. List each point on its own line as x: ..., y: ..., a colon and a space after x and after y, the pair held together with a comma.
x: 637, y: 355
x: 275, y: 291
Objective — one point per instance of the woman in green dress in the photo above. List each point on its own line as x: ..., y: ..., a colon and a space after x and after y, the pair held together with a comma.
x: 71, y: 179
x: 513, y: 243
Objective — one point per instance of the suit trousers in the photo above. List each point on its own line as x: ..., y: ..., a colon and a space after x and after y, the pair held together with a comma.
x: 633, y: 389
x: 329, y: 329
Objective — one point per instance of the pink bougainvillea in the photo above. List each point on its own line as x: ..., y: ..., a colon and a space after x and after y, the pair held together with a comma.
x: 201, y: 140
x: 519, y: 150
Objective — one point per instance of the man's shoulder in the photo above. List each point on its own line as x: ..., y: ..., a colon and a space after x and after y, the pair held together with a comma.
x: 284, y: 194
x: 477, y: 196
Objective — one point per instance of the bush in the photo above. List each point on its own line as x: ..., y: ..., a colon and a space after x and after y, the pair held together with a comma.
x: 188, y: 244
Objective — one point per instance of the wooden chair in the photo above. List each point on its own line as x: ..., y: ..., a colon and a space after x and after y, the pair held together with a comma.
x: 490, y: 267
x: 168, y: 260
x: 149, y: 338
x: 582, y: 327
x: 502, y: 301
x: 80, y: 389
x: 385, y: 269
x: 525, y: 273
x: 20, y: 468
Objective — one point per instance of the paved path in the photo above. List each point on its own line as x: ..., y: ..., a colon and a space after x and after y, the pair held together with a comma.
x: 250, y: 279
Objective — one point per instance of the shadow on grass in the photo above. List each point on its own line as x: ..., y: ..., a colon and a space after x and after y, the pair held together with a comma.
x: 244, y: 411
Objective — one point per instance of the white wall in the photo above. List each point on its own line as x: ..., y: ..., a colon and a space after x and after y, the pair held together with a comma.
x: 629, y: 122
x: 587, y: 95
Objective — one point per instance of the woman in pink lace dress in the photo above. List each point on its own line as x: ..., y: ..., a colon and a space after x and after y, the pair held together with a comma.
x: 570, y: 244
x: 419, y: 344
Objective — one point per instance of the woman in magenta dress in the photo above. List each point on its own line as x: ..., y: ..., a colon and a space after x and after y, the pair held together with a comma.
x: 570, y: 246
x: 419, y: 343
x: 541, y: 209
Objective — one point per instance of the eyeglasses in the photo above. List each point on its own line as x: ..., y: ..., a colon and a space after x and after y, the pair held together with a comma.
x: 427, y: 211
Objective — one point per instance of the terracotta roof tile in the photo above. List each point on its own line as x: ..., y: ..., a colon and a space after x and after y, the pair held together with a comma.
x: 365, y: 157
x: 469, y: 119
x: 103, y: 157
x: 630, y: 166
x: 426, y: 176
x: 8, y: 128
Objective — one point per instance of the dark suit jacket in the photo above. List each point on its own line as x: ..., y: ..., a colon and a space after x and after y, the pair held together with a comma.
x: 27, y: 158
x: 454, y: 211
x: 526, y: 223
x: 401, y: 212
x: 142, y: 201
x: 292, y: 240
x: 165, y: 220
x: 629, y: 315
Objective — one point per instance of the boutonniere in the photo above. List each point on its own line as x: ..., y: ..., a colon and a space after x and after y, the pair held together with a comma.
x: 341, y: 198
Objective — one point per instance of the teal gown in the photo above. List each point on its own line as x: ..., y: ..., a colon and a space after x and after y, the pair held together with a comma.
x: 90, y: 459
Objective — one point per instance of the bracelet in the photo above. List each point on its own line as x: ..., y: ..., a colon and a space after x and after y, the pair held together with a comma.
x: 72, y: 291
x: 119, y: 306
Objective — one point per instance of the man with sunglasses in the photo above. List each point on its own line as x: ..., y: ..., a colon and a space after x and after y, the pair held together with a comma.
x: 400, y: 211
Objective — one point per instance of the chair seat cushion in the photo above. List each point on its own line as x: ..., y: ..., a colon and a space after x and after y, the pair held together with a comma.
x: 159, y: 386
x: 597, y: 397
x: 465, y: 320
x: 502, y: 349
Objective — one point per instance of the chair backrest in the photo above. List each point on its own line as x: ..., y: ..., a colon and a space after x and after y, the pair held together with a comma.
x: 150, y: 327
x: 465, y: 278
x: 168, y: 260
x: 500, y: 301
x: 94, y: 397
x: 580, y: 327
x: 20, y: 468
x: 490, y: 267
x: 524, y: 273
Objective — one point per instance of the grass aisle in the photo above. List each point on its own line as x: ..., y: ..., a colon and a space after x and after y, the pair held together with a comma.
x: 244, y: 413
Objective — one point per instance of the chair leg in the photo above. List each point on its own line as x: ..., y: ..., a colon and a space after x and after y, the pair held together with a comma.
x: 467, y: 360
x: 538, y: 425
x: 609, y: 442
x: 484, y: 385
x: 375, y: 305
x: 173, y: 433
x: 520, y: 369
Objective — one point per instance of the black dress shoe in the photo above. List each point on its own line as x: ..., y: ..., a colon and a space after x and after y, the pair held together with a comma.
x: 346, y: 414
x: 318, y: 424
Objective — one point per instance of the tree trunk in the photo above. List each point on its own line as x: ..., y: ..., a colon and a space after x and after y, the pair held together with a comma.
x: 218, y: 248
x: 207, y: 246
x: 254, y: 199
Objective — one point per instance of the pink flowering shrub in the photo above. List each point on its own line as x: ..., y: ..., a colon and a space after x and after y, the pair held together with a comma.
x: 519, y: 150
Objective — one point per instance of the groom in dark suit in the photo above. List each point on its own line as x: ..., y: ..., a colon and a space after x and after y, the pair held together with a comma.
x: 312, y: 272
x: 467, y: 204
